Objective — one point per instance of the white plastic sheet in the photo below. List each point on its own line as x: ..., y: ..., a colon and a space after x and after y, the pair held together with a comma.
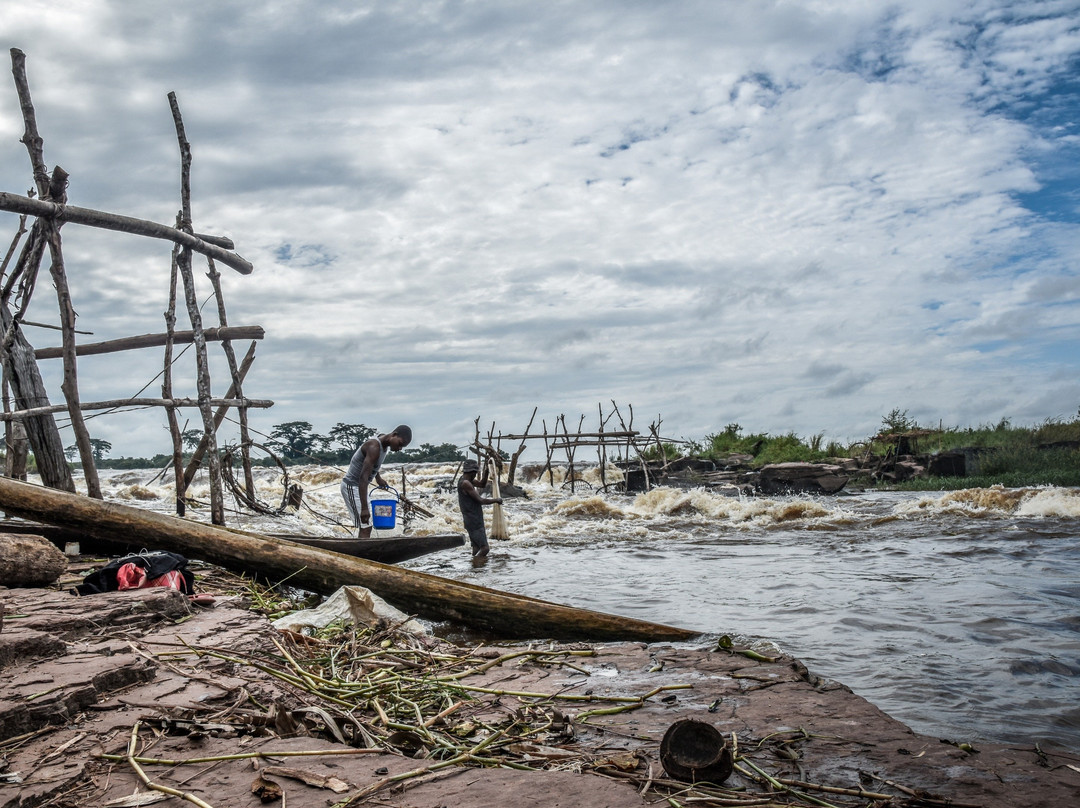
x: 352, y: 603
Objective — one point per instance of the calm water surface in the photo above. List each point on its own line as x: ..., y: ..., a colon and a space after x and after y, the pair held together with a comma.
x: 958, y: 614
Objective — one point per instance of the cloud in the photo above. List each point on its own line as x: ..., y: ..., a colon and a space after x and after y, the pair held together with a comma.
x: 793, y: 216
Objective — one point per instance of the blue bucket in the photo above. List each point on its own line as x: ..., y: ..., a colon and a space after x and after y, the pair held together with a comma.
x: 383, y: 508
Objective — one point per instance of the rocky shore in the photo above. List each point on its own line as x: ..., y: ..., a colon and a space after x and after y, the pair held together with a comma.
x: 736, y: 473
x: 107, y: 694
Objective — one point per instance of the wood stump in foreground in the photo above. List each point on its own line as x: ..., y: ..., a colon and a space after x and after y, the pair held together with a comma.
x: 29, y: 560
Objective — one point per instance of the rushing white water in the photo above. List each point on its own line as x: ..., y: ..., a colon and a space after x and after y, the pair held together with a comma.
x: 958, y: 613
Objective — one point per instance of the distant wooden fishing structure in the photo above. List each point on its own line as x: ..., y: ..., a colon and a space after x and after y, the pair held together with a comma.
x: 625, y: 447
x: 31, y: 421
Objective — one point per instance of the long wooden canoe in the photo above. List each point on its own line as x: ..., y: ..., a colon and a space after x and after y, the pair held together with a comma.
x: 501, y: 613
x: 389, y: 550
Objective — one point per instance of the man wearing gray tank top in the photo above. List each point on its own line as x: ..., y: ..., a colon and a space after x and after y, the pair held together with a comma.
x: 364, y: 466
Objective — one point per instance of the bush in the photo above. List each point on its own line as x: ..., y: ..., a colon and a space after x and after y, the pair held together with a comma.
x: 670, y: 452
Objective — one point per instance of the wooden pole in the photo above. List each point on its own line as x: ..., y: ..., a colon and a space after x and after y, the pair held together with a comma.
x: 237, y: 382
x: 179, y: 483
x: 431, y: 597
x: 25, y: 378
x: 202, y: 364
x: 116, y: 403
x: 70, y: 385
x: 548, y: 450
x: 15, y: 443
x: 31, y: 139
x: 16, y: 203
x: 154, y: 341
x: 601, y: 450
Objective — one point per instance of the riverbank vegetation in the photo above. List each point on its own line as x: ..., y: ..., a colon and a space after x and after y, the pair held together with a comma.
x: 1013, y: 456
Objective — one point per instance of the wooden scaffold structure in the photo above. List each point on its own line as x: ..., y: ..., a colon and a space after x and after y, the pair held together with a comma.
x: 31, y: 420
x: 624, y: 447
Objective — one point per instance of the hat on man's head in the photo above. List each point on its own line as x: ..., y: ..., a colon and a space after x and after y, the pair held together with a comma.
x: 470, y: 465
x: 404, y: 432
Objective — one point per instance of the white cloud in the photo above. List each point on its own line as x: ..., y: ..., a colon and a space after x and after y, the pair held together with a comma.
x: 796, y: 216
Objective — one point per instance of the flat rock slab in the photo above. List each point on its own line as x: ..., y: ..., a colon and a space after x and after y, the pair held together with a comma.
x: 121, y: 658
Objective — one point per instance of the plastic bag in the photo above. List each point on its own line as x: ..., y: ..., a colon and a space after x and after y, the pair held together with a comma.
x: 353, y: 603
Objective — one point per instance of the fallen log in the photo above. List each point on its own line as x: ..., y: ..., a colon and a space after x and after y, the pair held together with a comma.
x: 501, y: 613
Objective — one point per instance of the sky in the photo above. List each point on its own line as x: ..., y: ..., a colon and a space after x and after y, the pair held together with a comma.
x: 793, y: 216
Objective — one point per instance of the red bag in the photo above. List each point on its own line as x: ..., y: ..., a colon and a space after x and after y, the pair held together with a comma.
x: 171, y: 579
x: 132, y: 576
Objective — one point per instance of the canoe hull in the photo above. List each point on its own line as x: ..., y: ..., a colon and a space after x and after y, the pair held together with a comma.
x: 386, y: 551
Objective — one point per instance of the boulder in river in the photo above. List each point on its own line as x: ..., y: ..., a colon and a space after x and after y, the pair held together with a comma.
x: 801, y: 478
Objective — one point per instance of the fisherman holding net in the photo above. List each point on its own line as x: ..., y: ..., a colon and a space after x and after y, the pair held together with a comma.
x: 470, y: 502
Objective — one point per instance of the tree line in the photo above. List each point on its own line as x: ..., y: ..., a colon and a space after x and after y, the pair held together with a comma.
x: 293, y: 443
x: 297, y: 442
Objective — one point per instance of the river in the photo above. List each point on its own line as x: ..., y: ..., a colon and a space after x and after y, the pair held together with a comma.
x: 957, y: 613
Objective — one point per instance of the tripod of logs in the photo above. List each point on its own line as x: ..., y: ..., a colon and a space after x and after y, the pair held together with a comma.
x: 31, y: 421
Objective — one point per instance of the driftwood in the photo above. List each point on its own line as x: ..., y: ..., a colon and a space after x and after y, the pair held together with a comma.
x: 29, y: 560
x: 154, y: 341
x: 505, y: 614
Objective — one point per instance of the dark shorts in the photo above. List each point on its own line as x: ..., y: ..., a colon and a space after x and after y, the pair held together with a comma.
x: 478, y: 539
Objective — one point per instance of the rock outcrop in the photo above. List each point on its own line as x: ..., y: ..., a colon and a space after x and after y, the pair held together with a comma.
x: 801, y: 478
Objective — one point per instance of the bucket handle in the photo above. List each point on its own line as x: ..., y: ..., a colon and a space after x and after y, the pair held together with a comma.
x: 388, y: 488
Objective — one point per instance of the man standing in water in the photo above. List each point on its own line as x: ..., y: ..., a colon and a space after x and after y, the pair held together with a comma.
x: 365, y: 465
x: 470, y: 502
